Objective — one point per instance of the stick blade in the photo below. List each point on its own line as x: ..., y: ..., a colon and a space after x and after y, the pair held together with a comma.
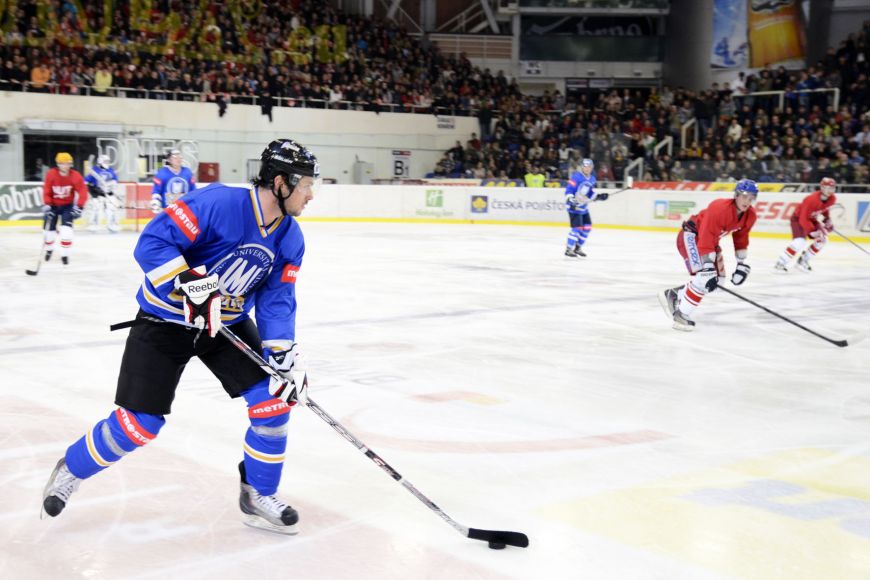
x: 497, y: 537
x: 31, y: 272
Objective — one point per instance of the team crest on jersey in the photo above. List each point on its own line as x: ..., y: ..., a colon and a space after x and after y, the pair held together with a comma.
x: 242, y: 270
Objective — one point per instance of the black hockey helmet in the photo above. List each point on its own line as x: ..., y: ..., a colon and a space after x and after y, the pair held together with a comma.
x: 288, y: 158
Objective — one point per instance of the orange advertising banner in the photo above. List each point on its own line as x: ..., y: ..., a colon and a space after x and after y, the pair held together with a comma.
x: 774, y: 32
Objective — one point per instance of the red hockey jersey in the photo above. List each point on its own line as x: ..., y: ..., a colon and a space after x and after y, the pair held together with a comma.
x: 720, y: 219
x: 813, y: 206
x: 64, y: 189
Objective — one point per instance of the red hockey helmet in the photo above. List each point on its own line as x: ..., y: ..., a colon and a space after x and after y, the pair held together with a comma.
x: 828, y: 186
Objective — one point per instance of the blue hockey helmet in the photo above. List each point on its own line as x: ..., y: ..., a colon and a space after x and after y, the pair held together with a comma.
x: 587, y: 163
x: 746, y: 186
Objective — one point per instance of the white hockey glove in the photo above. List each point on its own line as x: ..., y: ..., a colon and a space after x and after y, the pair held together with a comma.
x: 818, y: 234
x: 48, y: 211
x: 156, y: 204
x: 201, y: 296
x: 741, y: 272
x: 294, y: 387
x: 76, y: 212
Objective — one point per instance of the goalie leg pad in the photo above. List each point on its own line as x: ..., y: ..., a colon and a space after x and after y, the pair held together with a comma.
x: 266, y: 438
x: 110, y: 439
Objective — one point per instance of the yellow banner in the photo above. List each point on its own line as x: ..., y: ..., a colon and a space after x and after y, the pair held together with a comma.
x: 774, y: 32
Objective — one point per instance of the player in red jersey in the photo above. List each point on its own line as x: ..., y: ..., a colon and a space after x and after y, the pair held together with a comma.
x: 810, y: 220
x: 64, y: 195
x: 698, y: 244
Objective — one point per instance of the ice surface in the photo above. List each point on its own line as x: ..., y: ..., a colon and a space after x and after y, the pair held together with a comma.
x: 516, y: 388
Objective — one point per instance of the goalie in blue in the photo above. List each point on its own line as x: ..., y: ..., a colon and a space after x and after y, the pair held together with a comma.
x: 208, y: 259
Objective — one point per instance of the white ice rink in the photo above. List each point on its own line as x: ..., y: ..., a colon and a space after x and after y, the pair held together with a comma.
x: 517, y: 389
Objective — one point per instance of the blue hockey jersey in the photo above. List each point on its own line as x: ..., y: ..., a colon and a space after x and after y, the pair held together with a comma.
x: 222, y: 228
x: 170, y: 186
x: 579, y: 192
x: 102, y: 179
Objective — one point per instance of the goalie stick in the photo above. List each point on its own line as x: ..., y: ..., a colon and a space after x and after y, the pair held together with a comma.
x: 840, y: 343
x: 496, y: 539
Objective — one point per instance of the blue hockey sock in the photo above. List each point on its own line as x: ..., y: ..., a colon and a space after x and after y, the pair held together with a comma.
x: 110, y: 439
x: 266, y: 438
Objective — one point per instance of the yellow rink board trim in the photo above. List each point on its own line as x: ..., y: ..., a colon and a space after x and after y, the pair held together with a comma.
x: 795, y: 515
x: 376, y: 220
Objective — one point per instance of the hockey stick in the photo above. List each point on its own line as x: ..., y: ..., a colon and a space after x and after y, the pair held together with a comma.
x: 41, y: 250
x: 850, y: 241
x: 629, y: 183
x: 840, y: 343
x: 496, y: 539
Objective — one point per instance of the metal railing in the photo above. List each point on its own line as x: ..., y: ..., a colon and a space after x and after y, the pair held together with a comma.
x: 666, y: 142
x: 684, y: 128
x: 780, y: 95
x: 236, y: 99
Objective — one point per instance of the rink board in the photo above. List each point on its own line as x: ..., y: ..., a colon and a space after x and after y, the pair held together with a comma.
x: 633, y: 209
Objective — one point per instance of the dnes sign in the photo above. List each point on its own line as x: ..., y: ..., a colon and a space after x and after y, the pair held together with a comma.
x: 125, y: 155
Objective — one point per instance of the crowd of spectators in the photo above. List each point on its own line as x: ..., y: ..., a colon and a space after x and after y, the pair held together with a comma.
x: 736, y: 132
x: 266, y: 57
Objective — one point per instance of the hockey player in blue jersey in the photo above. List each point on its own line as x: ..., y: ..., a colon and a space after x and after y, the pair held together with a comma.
x: 579, y: 192
x: 105, y: 198
x: 208, y: 259
x: 171, y: 182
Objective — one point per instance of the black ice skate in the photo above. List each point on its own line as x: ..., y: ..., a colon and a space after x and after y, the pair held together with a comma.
x: 578, y: 249
x: 668, y: 299
x: 682, y: 322
x: 569, y: 251
x: 64, y: 260
x: 780, y: 268
x: 59, y: 488
x: 48, y: 254
x: 265, y: 512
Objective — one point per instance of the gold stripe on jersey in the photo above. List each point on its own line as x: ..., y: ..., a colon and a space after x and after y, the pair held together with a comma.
x: 168, y: 271
x: 160, y: 303
x: 264, y: 457
x: 258, y: 215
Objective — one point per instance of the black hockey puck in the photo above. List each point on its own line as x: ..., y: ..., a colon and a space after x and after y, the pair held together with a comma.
x: 497, y: 546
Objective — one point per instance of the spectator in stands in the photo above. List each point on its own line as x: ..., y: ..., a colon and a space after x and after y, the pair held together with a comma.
x: 102, y: 81
x: 40, y: 77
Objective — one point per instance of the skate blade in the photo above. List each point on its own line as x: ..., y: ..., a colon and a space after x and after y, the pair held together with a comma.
x: 683, y: 327
x: 663, y: 301
x: 261, y: 524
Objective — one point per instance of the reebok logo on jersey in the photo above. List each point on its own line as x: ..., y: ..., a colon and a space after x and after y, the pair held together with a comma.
x: 290, y: 273
x: 184, y: 219
x: 269, y: 408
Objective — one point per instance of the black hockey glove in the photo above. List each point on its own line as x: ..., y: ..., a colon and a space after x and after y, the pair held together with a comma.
x: 741, y: 272
x: 201, y: 296
x: 602, y: 196
x: 707, y: 277
x: 690, y: 226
